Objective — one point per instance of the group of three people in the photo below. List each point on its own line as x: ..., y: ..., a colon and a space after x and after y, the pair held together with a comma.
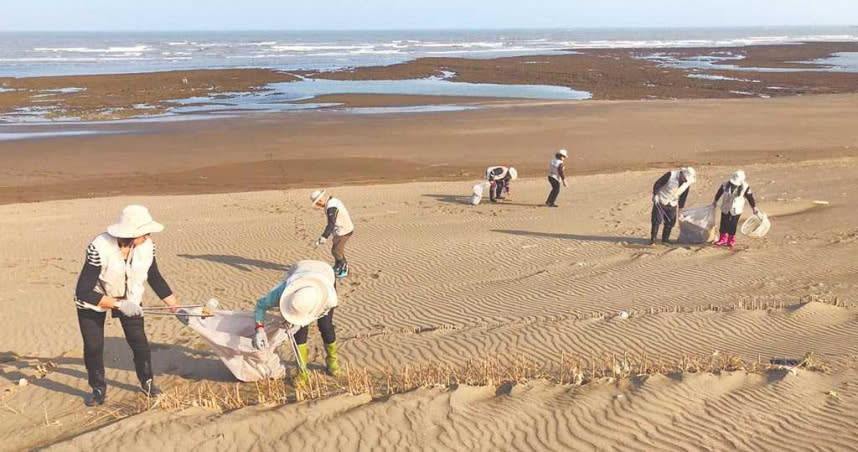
x: 120, y: 261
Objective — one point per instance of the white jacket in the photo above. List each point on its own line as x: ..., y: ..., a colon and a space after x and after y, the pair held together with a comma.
x: 344, y: 224
x: 120, y: 278
x: 669, y: 193
x: 733, y: 200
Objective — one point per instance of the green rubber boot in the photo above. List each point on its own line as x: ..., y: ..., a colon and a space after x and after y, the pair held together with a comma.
x: 332, y: 361
x: 303, y: 376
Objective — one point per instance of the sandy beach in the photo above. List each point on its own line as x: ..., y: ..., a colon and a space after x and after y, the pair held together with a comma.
x: 435, y: 281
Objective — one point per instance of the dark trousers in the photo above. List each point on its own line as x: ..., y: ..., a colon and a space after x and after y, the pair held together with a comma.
x: 662, y: 214
x: 496, y: 190
x: 729, y: 223
x: 555, y: 190
x: 338, y: 250
x: 92, y: 330
x: 326, y: 327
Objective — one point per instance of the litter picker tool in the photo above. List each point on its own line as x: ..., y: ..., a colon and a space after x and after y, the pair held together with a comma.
x: 302, y: 366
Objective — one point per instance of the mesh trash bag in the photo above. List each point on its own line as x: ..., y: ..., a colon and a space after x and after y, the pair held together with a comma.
x: 757, y: 225
x: 230, y: 333
x: 477, y: 196
x: 697, y: 224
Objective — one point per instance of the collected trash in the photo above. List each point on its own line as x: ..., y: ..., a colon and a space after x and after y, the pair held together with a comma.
x: 23, y: 382
x: 477, y: 195
x: 623, y: 315
x: 757, y: 225
x: 697, y: 224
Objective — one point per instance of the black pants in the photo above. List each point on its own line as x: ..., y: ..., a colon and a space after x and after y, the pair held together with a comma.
x: 92, y: 330
x: 729, y: 223
x: 326, y: 327
x: 497, y: 193
x: 555, y: 190
x: 662, y: 214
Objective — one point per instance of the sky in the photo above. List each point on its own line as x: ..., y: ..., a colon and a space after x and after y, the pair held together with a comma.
x: 141, y: 15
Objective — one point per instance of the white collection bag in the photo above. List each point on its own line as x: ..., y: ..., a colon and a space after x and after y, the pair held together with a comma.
x: 477, y: 195
x: 697, y: 224
x: 230, y: 333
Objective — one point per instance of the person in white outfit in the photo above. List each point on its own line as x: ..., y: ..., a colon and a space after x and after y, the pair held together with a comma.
x: 556, y: 176
x: 668, y: 196
x: 339, y: 226
x: 735, y: 192
x: 499, y: 178
x: 118, y: 264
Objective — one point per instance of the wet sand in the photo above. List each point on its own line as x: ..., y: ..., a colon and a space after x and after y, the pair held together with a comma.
x: 276, y: 151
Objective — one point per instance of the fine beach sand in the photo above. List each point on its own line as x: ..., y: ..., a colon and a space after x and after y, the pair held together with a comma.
x: 434, y: 280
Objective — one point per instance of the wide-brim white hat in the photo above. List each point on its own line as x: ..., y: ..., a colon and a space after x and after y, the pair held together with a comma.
x: 738, y: 178
x: 317, y: 195
x: 134, y: 221
x: 563, y: 152
x: 305, y: 300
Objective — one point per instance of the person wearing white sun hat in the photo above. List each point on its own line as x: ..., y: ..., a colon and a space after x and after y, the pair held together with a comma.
x: 735, y: 191
x: 118, y: 263
x: 668, y: 196
x: 499, y: 178
x: 306, y: 294
x: 556, y: 176
x: 339, y: 226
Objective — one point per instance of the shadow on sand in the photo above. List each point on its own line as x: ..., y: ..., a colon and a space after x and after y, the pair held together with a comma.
x: 585, y: 238
x: 466, y: 200
x: 237, y: 262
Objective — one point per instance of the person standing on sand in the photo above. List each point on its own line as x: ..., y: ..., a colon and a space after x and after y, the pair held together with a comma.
x: 117, y: 265
x: 339, y: 225
x: 735, y: 192
x: 307, y: 293
x: 668, y: 196
x: 499, y: 178
x: 556, y: 176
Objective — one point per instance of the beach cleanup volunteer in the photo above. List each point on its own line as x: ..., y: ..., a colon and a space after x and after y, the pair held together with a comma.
x: 307, y: 293
x: 556, y: 176
x: 118, y: 263
x: 499, y: 178
x: 668, y: 196
x: 339, y: 225
x: 735, y: 191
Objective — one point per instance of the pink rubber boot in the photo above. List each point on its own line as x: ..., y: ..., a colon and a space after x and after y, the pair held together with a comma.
x: 731, y: 241
x: 721, y: 240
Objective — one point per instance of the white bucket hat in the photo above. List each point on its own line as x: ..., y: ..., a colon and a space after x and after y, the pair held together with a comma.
x: 738, y: 178
x: 690, y: 174
x: 317, y: 195
x: 513, y: 174
x: 563, y: 153
x: 305, y: 300
x: 134, y: 221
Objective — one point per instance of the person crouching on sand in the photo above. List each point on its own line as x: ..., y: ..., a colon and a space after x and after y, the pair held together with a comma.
x: 339, y: 225
x: 735, y: 192
x: 556, y: 176
x: 499, y: 178
x: 668, y: 196
x: 117, y: 265
x: 307, y: 293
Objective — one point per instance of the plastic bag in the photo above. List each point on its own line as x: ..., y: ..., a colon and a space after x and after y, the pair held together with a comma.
x: 697, y: 224
x: 477, y: 194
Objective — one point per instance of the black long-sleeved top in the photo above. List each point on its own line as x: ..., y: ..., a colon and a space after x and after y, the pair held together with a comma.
x: 331, y: 213
x: 88, y: 279
x: 748, y: 195
x: 662, y: 181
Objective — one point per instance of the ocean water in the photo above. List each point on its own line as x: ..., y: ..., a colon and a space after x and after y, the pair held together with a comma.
x: 45, y: 53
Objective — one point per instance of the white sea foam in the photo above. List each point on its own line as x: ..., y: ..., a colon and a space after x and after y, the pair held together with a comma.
x: 720, y: 77
x: 134, y: 49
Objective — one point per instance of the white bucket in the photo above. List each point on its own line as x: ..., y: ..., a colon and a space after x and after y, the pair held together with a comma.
x: 757, y: 225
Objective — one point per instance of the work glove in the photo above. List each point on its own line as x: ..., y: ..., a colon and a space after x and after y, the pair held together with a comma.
x: 321, y: 241
x: 260, y: 339
x: 655, y: 199
x: 756, y: 211
x: 129, y: 308
x: 84, y: 305
x: 564, y: 183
